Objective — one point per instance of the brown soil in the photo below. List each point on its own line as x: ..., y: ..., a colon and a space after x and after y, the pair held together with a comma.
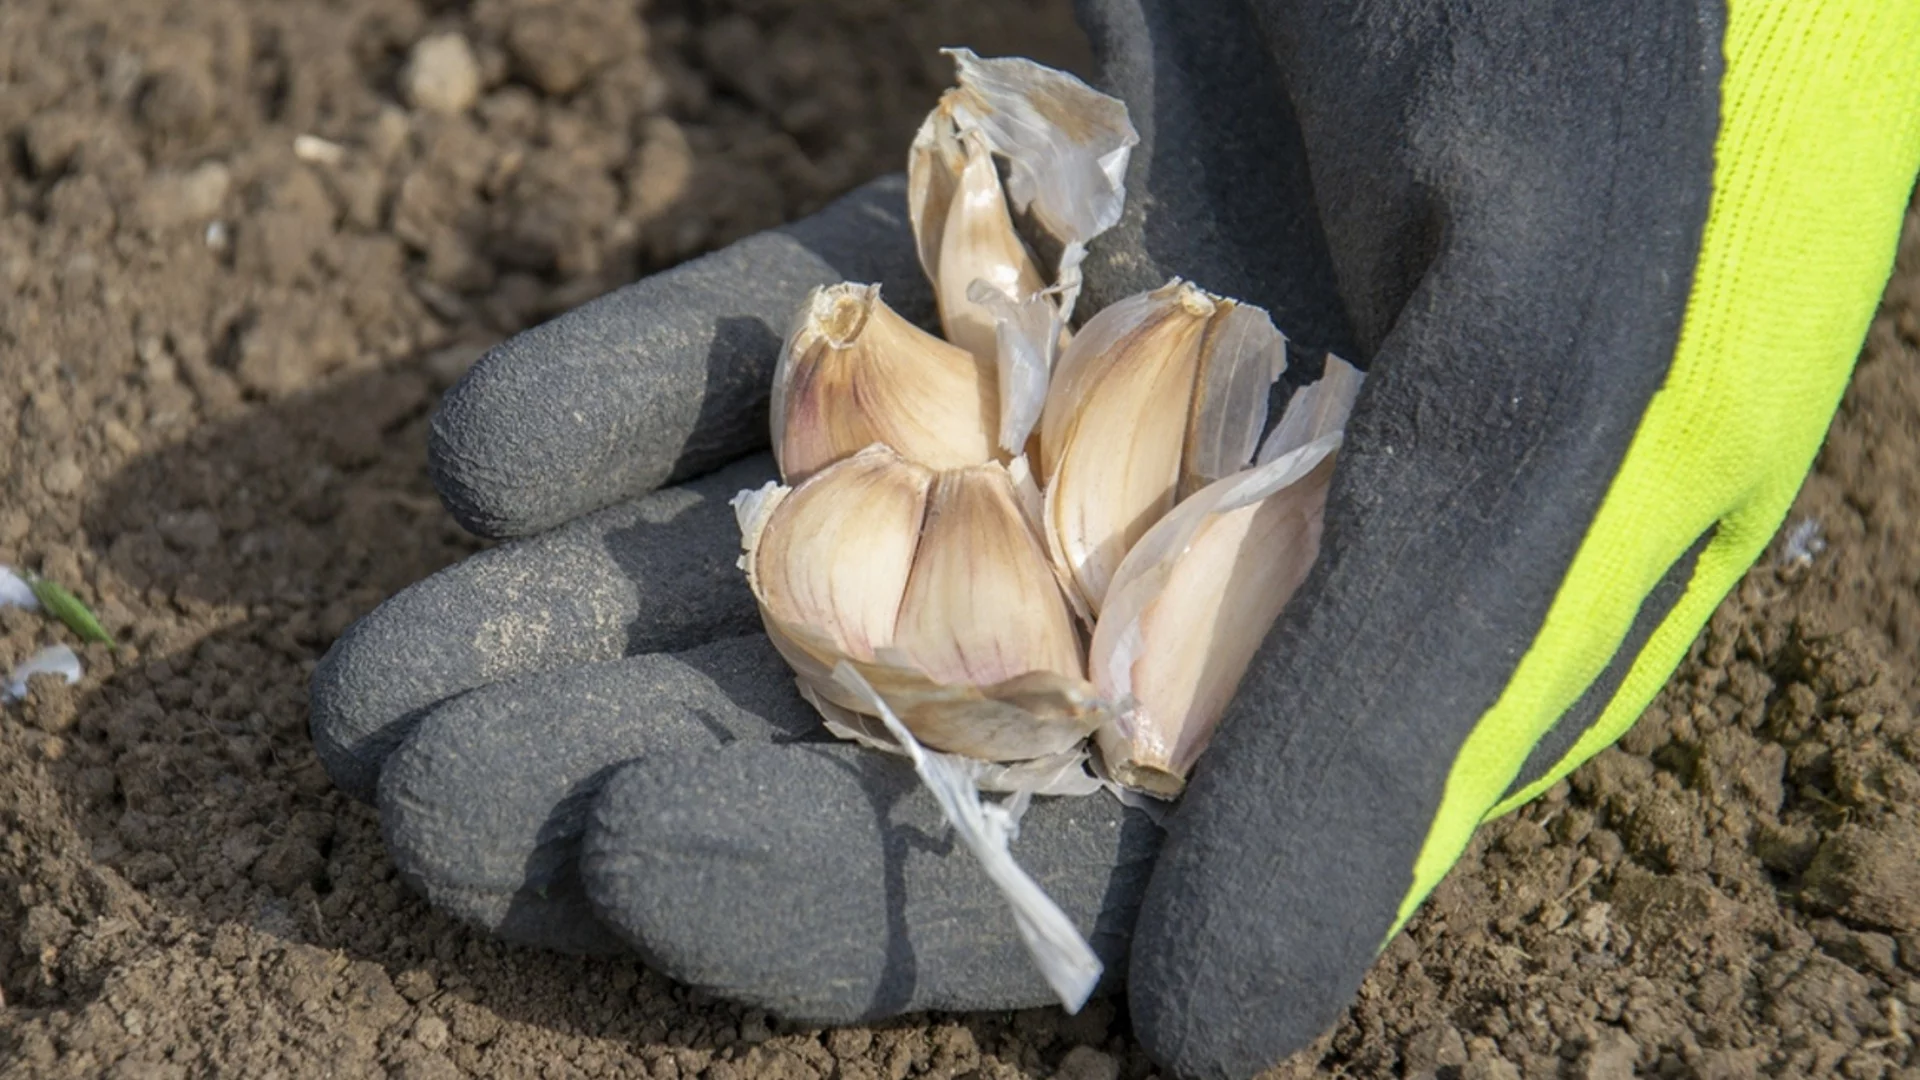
x: 219, y: 348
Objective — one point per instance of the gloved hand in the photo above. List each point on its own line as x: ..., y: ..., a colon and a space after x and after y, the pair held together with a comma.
x: 1608, y: 268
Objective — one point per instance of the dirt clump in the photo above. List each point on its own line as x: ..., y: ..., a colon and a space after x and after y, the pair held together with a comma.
x: 244, y: 246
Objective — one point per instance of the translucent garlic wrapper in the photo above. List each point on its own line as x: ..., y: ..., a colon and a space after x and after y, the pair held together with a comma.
x: 1193, y: 600
x: 935, y: 587
x: 1066, y: 145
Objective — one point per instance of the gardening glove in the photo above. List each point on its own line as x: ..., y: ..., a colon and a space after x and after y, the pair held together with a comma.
x: 1607, y: 270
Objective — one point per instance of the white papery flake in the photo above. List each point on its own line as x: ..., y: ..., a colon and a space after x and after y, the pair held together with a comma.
x: 1064, y: 958
x: 1026, y: 333
x: 1066, y: 143
x: 52, y: 660
x: 15, y: 592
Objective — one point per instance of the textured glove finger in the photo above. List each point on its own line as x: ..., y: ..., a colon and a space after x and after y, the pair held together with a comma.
x: 656, y: 574
x: 484, y: 802
x: 661, y: 380
x: 1518, y: 348
x: 820, y: 881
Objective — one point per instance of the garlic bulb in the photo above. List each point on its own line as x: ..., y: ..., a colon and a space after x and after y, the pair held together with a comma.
x: 1156, y: 396
x: 932, y: 599
x: 1194, y: 599
x: 935, y: 586
x: 854, y: 372
x: 912, y: 545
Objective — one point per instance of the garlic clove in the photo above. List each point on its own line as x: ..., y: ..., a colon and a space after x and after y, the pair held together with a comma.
x: 992, y: 296
x: 936, y: 588
x: 934, y: 164
x: 1157, y: 396
x: 982, y: 605
x: 1176, y: 646
x: 1066, y: 148
x: 979, y: 244
x: 829, y: 560
x: 1114, y: 429
x: 854, y: 373
x: 986, y: 660
x: 1194, y: 599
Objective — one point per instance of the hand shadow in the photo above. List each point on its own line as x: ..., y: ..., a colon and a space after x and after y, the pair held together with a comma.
x: 226, y: 564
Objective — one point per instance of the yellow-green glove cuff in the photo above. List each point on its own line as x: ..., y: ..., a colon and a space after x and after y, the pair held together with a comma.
x: 1816, y: 157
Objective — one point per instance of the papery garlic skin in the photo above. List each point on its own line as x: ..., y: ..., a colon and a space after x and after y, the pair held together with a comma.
x: 960, y: 625
x: 1065, y: 959
x: 934, y: 164
x: 1028, y: 334
x: 1157, y: 395
x: 1194, y: 599
x: 853, y: 373
x: 1067, y: 146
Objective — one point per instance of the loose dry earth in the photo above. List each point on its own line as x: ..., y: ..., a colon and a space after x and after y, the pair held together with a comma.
x: 219, y: 346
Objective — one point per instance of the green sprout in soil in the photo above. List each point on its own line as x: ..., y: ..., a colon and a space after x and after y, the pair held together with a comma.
x: 68, y: 608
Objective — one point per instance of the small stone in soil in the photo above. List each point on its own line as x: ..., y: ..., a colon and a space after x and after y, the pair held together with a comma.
x: 442, y: 76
